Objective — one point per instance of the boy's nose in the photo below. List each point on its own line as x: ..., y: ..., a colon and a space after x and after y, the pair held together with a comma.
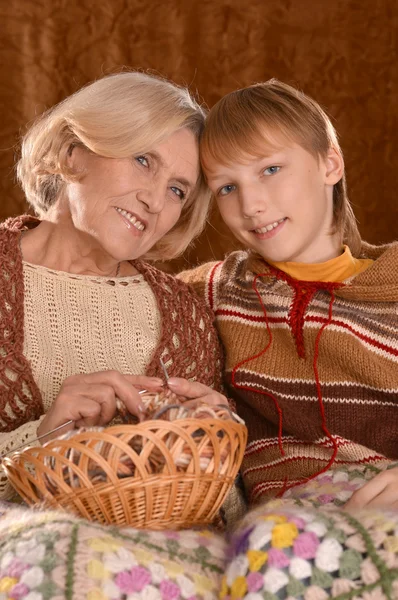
x: 252, y: 203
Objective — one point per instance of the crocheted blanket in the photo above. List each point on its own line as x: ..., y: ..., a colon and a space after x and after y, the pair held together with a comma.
x: 302, y: 547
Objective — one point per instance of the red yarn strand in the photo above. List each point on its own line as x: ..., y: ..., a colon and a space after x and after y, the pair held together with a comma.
x: 296, y: 320
x: 246, y: 360
x: 320, y: 402
x: 318, y: 384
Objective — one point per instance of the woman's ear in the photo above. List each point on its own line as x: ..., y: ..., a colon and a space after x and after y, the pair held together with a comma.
x: 76, y: 161
x: 334, y: 164
x: 71, y: 156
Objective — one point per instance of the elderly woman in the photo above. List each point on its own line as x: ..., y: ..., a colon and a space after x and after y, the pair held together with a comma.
x: 113, y: 174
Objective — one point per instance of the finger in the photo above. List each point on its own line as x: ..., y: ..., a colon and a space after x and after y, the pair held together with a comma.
x: 191, y: 389
x: 210, y: 400
x: 105, y: 396
x: 97, y: 405
x: 386, y: 499
x: 88, y: 414
x: 132, y: 400
x: 82, y: 400
x: 367, y: 493
x: 142, y: 382
x: 114, y: 377
x: 122, y: 388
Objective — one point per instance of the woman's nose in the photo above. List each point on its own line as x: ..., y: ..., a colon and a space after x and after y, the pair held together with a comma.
x: 153, y: 199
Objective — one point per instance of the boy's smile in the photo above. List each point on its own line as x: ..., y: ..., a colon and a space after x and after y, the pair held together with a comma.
x: 281, y: 205
x: 266, y: 231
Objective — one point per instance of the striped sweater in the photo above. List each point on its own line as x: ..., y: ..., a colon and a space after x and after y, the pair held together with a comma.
x: 313, y: 366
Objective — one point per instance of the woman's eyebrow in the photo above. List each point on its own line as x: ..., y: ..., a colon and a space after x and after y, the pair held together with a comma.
x: 183, y: 180
x: 186, y: 183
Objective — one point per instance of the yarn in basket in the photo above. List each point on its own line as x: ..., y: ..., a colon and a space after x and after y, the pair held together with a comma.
x: 163, y: 405
x: 172, y: 470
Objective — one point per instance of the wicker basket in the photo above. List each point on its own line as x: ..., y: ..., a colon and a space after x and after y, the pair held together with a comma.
x: 157, y: 474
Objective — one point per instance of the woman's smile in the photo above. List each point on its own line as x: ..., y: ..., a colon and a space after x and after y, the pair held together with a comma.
x: 132, y: 221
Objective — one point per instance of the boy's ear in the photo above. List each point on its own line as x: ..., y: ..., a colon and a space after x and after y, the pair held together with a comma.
x: 334, y: 164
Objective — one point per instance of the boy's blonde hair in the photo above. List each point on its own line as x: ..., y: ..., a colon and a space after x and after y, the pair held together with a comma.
x: 245, y: 122
x: 118, y: 116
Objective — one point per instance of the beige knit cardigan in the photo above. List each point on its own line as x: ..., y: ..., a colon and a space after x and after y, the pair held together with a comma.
x: 188, y: 338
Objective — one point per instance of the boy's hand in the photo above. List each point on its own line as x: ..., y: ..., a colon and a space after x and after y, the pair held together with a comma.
x: 379, y: 492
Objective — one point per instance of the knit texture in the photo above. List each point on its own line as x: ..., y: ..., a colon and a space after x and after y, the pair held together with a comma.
x: 182, y: 334
x: 56, y: 556
x: 313, y: 367
x: 77, y: 324
x: 282, y: 550
x: 288, y: 549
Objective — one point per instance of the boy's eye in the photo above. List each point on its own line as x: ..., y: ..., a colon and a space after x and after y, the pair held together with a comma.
x: 226, y: 189
x: 178, y: 192
x: 143, y: 160
x: 271, y: 170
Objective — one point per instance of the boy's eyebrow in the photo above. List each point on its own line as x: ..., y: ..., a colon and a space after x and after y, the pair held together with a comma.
x: 215, y: 177
x: 248, y: 160
x: 183, y: 180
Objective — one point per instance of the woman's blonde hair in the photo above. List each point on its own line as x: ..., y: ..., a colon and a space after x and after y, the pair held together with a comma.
x: 246, y: 121
x: 118, y: 116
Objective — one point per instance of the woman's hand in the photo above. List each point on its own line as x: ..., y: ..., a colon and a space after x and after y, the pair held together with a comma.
x: 195, y: 392
x: 90, y: 400
x: 379, y: 492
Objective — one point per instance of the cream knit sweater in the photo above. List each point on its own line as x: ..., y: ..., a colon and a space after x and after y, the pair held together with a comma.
x: 82, y: 324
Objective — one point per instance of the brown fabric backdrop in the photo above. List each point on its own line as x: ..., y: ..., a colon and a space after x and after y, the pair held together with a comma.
x: 343, y: 52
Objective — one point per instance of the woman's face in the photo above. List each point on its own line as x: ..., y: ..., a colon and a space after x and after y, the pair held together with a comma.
x: 127, y: 205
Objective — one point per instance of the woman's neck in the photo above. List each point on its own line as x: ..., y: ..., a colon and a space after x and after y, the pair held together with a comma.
x: 58, y: 245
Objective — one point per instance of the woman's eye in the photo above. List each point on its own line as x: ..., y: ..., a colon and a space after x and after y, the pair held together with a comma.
x: 225, y: 190
x: 143, y: 160
x: 271, y: 170
x: 178, y: 192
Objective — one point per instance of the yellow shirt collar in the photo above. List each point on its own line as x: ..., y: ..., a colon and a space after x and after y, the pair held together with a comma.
x: 335, y: 270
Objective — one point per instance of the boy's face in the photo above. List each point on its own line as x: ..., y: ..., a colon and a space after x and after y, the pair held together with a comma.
x: 280, y: 205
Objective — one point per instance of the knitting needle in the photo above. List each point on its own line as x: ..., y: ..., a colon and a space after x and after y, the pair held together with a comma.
x: 164, y: 369
x: 36, y: 439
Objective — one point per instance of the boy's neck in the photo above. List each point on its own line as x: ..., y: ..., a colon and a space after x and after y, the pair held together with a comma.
x: 317, y: 254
